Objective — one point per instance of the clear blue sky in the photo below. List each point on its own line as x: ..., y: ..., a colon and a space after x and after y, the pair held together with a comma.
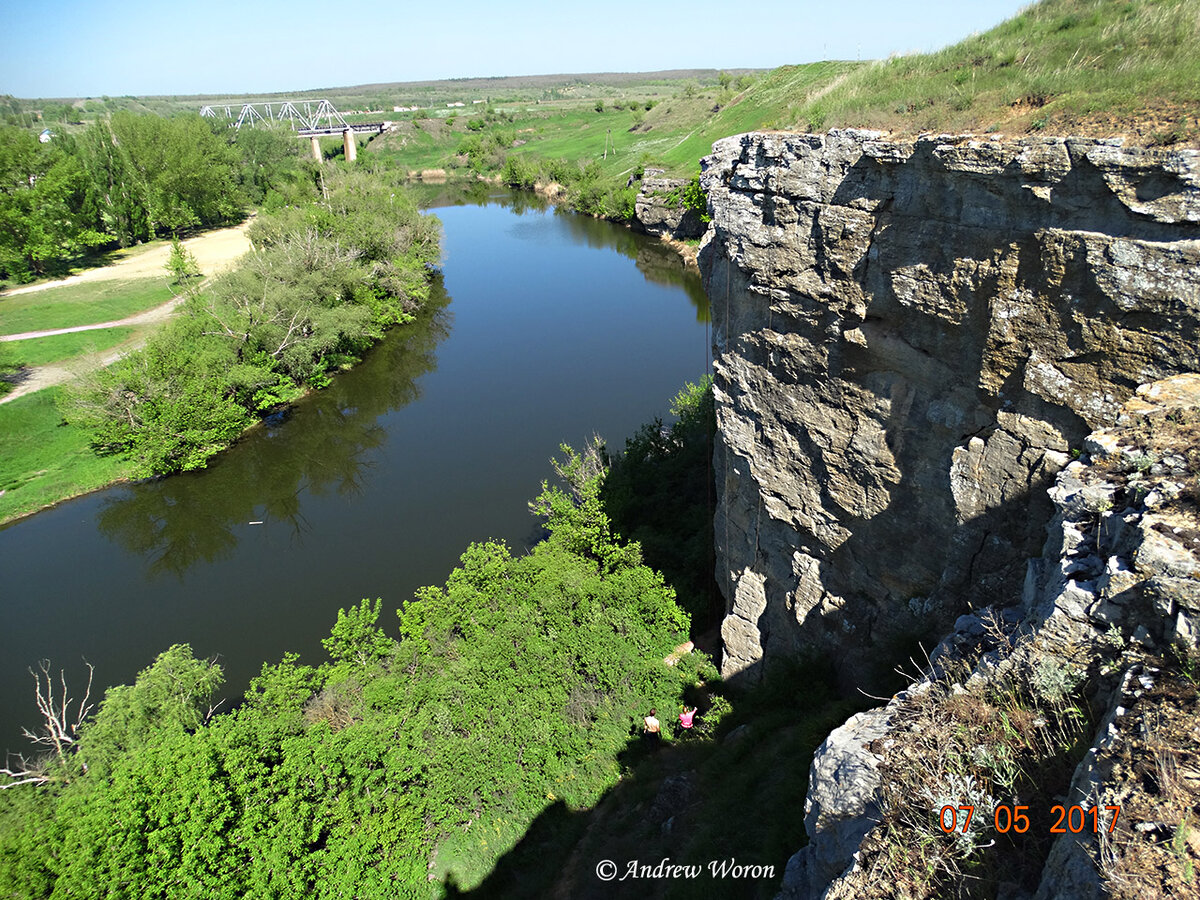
x: 88, y: 48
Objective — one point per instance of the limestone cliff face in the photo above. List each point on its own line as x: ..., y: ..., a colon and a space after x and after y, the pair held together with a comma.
x: 1115, y: 592
x: 911, y: 338
x: 658, y: 209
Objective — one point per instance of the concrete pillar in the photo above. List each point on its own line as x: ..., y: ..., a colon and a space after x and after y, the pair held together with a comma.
x: 350, y: 145
x: 316, y: 145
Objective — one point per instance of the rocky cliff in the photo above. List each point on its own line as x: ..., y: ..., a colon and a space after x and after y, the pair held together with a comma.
x: 912, y: 338
x: 1083, y: 695
x: 659, y: 208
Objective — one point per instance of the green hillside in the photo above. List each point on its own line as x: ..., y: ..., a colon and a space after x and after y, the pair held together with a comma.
x: 1061, y: 66
x: 1126, y: 67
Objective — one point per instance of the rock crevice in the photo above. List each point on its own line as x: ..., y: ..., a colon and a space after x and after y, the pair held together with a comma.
x: 910, y: 340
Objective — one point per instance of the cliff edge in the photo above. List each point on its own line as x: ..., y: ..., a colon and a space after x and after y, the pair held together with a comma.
x: 1068, y: 724
x: 912, y: 339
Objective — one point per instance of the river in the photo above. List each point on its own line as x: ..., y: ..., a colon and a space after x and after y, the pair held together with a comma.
x: 546, y: 327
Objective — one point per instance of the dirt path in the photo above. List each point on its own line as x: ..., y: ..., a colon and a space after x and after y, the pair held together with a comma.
x: 214, y: 252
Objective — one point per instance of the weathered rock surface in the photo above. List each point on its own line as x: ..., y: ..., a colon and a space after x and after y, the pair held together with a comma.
x: 1118, y: 584
x: 910, y: 340
x: 658, y: 209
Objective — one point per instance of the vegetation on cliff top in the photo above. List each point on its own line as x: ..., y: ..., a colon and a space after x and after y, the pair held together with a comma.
x: 1059, y: 67
x: 1096, y: 67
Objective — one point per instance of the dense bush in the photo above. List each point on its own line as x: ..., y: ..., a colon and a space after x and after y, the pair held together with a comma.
x: 327, y: 278
x: 511, y: 688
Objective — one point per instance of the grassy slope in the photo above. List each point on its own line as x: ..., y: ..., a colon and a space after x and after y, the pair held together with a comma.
x: 673, y: 135
x: 1101, y: 66
x: 87, y: 303
x: 1061, y: 66
x: 42, y: 460
x: 59, y: 347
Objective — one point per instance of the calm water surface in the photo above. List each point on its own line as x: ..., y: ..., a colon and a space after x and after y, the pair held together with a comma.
x: 547, y: 327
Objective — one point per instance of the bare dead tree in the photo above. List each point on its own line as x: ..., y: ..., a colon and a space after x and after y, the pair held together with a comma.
x: 61, y: 719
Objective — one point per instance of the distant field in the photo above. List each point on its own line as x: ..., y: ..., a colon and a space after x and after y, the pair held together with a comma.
x: 684, y: 118
x: 1099, y: 67
x: 80, y: 304
x: 59, y: 347
x: 42, y: 460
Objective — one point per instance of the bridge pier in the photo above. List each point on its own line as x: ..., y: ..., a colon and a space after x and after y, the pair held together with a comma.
x: 316, y: 148
x: 350, y: 145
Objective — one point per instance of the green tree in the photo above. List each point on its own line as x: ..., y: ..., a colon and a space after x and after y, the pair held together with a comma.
x: 269, y: 160
x: 658, y: 493
x: 42, y: 205
x: 181, y: 264
x: 175, y: 693
x: 356, y: 641
x: 168, y: 406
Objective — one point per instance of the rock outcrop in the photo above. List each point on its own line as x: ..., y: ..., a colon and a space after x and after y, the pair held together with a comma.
x: 659, y: 208
x: 1114, y: 594
x: 911, y: 341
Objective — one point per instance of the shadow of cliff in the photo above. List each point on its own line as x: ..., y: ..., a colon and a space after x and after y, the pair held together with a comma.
x: 731, y: 798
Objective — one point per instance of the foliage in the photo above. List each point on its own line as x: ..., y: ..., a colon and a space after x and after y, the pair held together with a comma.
x: 513, y: 686
x: 695, y: 200
x: 181, y: 264
x: 326, y: 281
x: 269, y: 162
x: 658, y: 493
x: 126, y: 179
x: 42, y: 205
x: 155, y: 176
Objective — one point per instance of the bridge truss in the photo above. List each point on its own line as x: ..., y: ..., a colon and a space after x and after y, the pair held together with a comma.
x: 307, y: 117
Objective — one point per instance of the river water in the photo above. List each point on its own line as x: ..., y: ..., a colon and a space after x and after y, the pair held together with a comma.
x: 547, y: 327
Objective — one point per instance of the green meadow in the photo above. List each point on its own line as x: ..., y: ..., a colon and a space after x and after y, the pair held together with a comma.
x: 43, y: 460
x: 84, y: 303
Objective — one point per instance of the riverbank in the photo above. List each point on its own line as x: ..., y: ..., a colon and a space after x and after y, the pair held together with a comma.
x: 44, y: 462
x: 307, y: 306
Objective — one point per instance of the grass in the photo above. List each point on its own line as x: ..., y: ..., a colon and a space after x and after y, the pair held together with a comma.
x: 59, y: 347
x: 1060, y: 66
x: 87, y: 303
x: 43, y: 460
x: 1011, y: 741
x: 679, y: 128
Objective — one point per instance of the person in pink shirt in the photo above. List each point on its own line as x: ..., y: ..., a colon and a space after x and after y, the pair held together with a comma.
x: 685, y: 718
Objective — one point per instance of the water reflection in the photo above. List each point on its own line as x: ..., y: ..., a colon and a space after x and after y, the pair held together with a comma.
x: 177, y: 522
x: 375, y: 486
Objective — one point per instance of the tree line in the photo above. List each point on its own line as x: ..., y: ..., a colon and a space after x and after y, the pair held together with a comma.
x: 127, y: 179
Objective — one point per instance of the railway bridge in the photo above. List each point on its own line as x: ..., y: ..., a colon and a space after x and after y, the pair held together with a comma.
x: 309, y: 118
